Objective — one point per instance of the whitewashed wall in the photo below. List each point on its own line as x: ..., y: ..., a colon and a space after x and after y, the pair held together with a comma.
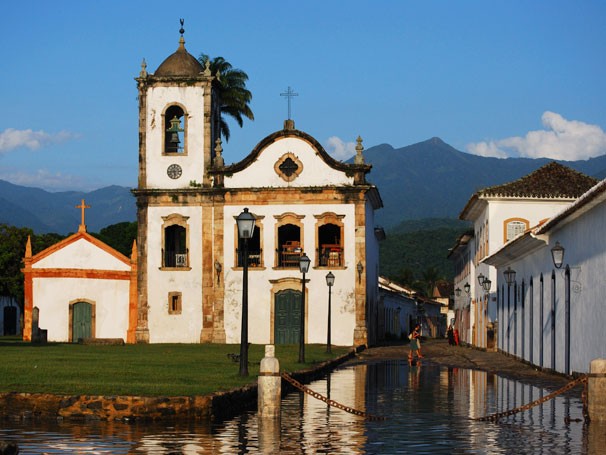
x: 343, y: 304
x: 52, y: 296
x: 186, y: 326
x: 158, y: 98
x: 585, y: 254
x: 261, y: 173
x: 81, y: 254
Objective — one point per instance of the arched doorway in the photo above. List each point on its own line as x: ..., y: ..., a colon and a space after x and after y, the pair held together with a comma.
x: 287, y: 315
x: 81, y: 321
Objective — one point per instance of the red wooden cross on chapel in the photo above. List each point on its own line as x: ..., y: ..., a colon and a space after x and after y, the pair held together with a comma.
x: 83, y: 206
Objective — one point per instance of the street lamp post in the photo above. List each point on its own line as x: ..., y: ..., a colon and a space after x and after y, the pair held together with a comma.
x: 330, y: 280
x: 303, y: 267
x: 246, y: 227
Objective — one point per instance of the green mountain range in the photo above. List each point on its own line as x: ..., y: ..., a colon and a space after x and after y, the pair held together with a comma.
x: 430, y: 179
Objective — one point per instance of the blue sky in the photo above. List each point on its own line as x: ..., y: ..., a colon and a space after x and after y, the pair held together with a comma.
x: 495, y: 78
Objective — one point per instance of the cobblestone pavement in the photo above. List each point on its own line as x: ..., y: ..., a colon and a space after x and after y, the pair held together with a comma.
x: 438, y: 351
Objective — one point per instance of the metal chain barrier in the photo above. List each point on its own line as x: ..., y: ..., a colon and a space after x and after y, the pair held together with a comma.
x: 328, y: 401
x: 526, y: 407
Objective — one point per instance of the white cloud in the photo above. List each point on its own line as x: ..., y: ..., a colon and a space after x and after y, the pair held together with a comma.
x: 339, y: 149
x: 561, y: 139
x: 11, y: 138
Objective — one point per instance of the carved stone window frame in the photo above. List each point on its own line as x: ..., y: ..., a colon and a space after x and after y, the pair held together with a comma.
x: 278, y: 167
x: 282, y: 220
x: 172, y: 220
x: 336, y: 220
x: 177, y: 298
x: 259, y: 227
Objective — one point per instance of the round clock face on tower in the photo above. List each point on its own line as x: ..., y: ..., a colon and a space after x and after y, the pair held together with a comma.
x: 174, y: 171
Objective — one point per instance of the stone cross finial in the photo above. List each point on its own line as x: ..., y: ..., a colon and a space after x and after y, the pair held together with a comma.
x: 83, y: 206
x: 143, y: 72
x: 359, y: 159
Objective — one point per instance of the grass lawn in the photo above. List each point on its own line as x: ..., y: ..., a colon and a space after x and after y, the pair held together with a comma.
x: 137, y: 369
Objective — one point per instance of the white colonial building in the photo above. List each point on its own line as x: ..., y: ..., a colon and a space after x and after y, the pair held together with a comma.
x: 499, y: 214
x: 552, y: 310
x: 190, y: 261
x: 78, y: 289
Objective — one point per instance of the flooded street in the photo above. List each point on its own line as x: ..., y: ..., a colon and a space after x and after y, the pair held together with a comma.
x: 428, y: 409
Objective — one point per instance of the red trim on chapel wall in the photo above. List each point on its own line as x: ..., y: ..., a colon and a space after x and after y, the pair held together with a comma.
x: 81, y: 273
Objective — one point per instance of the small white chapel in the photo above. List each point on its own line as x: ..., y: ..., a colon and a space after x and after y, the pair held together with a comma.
x: 189, y: 260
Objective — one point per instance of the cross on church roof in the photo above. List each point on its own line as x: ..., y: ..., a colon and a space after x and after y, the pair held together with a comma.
x: 289, y: 93
x: 83, y: 206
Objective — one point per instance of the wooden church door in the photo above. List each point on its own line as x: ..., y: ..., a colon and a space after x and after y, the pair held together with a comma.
x: 82, y: 321
x: 287, y: 317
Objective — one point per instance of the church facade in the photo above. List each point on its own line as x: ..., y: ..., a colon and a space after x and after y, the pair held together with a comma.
x: 79, y: 289
x: 190, y: 258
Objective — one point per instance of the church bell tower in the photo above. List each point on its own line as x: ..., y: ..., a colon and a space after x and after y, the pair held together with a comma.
x: 177, y: 108
x: 176, y: 136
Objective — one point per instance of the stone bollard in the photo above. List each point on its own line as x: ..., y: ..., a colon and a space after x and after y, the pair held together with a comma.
x: 596, y: 391
x: 270, y: 385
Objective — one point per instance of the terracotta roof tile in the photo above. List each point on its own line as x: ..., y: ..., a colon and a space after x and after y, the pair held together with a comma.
x: 550, y: 181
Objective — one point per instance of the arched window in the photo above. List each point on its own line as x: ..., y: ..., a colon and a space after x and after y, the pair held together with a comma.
x: 514, y: 227
x: 289, y: 240
x: 329, y: 240
x: 174, y: 130
x: 255, y: 246
x: 175, y: 250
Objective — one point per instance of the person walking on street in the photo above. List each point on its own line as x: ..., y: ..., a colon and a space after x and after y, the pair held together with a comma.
x: 450, y: 333
x: 415, y: 343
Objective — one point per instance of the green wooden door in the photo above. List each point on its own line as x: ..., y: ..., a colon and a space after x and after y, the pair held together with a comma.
x: 81, y: 321
x: 287, y: 317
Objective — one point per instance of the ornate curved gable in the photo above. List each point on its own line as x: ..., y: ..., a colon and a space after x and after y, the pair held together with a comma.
x: 296, y: 158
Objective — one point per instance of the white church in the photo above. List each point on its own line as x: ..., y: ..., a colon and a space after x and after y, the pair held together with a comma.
x: 188, y: 267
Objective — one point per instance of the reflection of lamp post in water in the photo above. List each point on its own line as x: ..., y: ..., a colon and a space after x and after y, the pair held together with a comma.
x: 304, y: 262
x: 246, y: 226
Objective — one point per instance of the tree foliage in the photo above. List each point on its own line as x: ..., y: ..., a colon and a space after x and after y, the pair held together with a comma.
x: 415, y: 253
x: 119, y: 236
x: 234, y: 97
x: 13, y: 241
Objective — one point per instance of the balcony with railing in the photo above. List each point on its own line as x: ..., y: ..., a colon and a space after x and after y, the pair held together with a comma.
x: 173, y: 259
x: 254, y: 257
x: 289, y: 254
x: 331, y: 255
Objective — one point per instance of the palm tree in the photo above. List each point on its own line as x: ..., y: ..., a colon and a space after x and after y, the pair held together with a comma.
x: 233, y: 95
